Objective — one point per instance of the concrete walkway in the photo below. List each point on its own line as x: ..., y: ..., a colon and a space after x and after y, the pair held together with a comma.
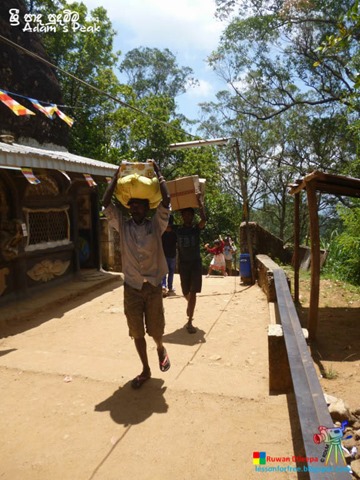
x: 68, y: 411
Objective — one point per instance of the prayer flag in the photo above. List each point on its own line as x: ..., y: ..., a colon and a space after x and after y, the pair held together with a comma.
x: 48, y: 111
x: 30, y: 177
x: 64, y: 117
x: 91, y: 182
x: 14, y: 106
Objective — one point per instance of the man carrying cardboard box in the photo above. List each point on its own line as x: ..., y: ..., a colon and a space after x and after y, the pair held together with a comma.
x: 190, y: 264
x: 144, y: 266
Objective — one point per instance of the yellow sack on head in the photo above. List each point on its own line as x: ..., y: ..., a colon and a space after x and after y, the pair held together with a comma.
x: 137, y: 186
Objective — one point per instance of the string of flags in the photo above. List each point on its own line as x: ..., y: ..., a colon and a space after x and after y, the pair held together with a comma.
x: 14, y: 105
x: 20, y: 110
x: 32, y: 178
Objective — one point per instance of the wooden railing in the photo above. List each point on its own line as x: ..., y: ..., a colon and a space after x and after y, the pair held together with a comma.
x: 310, y: 401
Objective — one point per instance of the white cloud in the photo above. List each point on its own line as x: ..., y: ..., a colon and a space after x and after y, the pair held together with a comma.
x: 203, y: 90
x: 181, y: 25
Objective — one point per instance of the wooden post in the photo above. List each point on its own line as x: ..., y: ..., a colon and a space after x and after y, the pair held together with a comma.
x: 315, y: 259
x: 296, y: 246
x: 245, y: 211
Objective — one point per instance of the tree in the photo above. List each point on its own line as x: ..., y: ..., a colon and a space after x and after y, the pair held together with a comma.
x: 271, y: 48
x: 289, y: 116
x: 87, y: 54
x: 154, y: 80
x: 340, y: 44
x: 150, y: 71
x: 344, y: 255
x: 24, y: 75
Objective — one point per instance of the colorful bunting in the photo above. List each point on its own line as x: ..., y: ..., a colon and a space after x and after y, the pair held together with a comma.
x: 91, y: 182
x: 18, y: 109
x: 30, y: 177
x: 14, y: 106
x: 48, y: 111
x: 64, y: 117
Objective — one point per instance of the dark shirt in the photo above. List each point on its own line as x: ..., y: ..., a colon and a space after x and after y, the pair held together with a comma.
x: 169, y: 240
x: 188, y: 239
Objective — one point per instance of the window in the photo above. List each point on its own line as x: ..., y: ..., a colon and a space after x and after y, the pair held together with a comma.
x: 47, y: 228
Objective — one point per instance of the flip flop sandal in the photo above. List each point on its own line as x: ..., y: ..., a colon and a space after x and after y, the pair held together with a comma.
x: 139, y: 381
x: 164, y: 364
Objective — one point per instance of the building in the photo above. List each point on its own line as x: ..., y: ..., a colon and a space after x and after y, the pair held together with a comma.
x: 49, y: 216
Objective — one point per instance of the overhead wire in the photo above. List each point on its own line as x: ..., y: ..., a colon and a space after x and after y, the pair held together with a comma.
x: 96, y: 89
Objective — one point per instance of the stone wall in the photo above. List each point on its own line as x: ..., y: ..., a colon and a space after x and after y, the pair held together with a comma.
x: 264, y: 242
x: 110, y: 248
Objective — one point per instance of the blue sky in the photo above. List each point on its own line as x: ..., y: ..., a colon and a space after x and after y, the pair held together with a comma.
x: 188, y: 28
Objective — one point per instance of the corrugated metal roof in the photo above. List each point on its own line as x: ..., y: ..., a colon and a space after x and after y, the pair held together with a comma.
x: 15, y: 155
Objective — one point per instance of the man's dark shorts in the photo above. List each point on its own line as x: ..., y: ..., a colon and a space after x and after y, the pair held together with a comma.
x: 190, y: 277
x: 144, y: 310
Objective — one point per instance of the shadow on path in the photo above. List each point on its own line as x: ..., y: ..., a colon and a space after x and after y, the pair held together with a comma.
x: 182, y: 337
x: 5, y: 352
x: 131, y: 407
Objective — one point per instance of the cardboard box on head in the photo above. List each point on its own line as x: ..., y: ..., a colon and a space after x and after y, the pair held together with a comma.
x: 183, y: 191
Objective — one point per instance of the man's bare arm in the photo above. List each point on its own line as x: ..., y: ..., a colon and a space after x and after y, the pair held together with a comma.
x: 106, y: 200
x: 201, y: 211
x: 163, y: 187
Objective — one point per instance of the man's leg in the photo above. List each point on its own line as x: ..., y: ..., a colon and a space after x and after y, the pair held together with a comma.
x: 140, y: 344
x: 171, y: 265
x: 134, y: 307
x: 195, y: 287
x: 139, y: 380
x: 164, y: 361
x: 155, y: 323
x: 191, y: 299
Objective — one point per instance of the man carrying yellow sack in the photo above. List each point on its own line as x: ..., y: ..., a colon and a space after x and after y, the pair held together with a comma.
x: 144, y: 266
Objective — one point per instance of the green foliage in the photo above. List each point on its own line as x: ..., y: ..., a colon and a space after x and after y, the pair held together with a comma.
x: 343, y: 46
x: 344, y: 250
x: 154, y: 72
x: 88, y: 56
x: 224, y: 217
x: 290, y: 117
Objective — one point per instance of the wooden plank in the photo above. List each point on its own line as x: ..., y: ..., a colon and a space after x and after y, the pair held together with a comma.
x: 326, y: 182
x: 312, y: 409
x: 315, y: 260
x: 296, y: 246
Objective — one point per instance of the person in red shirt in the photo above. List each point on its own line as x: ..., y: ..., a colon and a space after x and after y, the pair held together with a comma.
x: 218, y: 260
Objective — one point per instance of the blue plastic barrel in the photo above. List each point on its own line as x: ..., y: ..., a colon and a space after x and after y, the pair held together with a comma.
x: 245, y: 265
